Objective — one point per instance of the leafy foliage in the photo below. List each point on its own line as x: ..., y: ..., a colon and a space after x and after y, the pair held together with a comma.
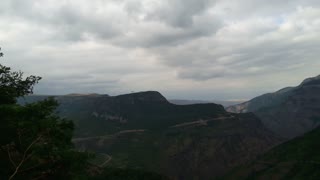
x: 34, y: 143
x: 12, y: 85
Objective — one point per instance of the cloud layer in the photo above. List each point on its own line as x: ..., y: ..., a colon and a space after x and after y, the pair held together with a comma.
x: 195, y: 49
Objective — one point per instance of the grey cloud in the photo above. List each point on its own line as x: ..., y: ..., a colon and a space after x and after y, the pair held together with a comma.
x: 133, y: 8
x: 161, y: 35
x: 202, y: 74
x: 179, y: 13
x: 75, y: 24
x: 52, y: 87
x: 178, y: 38
x: 123, y: 45
x: 260, y: 52
x: 234, y: 9
x: 68, y: 22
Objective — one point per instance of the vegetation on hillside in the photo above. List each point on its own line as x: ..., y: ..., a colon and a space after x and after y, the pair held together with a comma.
x: 295, y: 159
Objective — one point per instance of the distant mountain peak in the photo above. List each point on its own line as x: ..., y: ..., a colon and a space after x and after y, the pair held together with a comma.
x: 146, y: 96
x: 315, y: 79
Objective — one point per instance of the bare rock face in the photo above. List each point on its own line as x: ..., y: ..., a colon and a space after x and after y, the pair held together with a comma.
x: 289, y: 112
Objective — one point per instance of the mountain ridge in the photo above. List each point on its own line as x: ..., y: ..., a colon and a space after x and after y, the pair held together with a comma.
x: 145, y: 131
x: 289, y: 112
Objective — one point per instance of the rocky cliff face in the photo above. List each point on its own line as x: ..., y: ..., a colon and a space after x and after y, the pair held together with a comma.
x: 289, y: 112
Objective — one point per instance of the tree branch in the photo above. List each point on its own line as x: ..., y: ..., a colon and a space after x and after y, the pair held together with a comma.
x: 24, y: 158
x: 19, y: 135
x: 9, y: 154
x: 30, y: 168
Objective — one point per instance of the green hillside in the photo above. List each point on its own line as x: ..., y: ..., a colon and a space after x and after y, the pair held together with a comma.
x: 295, y: 159
x: 202, y: 150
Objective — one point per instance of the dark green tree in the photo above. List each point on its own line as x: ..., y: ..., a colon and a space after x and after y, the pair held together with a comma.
x: 34, y: 142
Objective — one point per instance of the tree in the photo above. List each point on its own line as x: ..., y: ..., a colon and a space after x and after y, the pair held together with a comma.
x: 34, y: 142
x: 12, y: 85
x: 1, y: 54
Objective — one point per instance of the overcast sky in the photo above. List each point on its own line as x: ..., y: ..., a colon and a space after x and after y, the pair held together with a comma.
x: 187, y: 49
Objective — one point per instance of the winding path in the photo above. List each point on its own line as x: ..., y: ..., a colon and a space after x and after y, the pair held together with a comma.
x: 106, y: 136
x: 107, y: 161
x: 200, y: 122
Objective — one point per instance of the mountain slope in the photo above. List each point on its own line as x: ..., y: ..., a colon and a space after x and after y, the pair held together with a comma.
x: 289, y: 112
x: 100, y: 115
x: 263, y: 101
x: 295, y: 159
x: 144, y: 131
x: 202, y: 150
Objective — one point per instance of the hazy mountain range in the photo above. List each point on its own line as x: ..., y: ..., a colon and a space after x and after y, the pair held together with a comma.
x: 199, y: 141
x: 145, y: 131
